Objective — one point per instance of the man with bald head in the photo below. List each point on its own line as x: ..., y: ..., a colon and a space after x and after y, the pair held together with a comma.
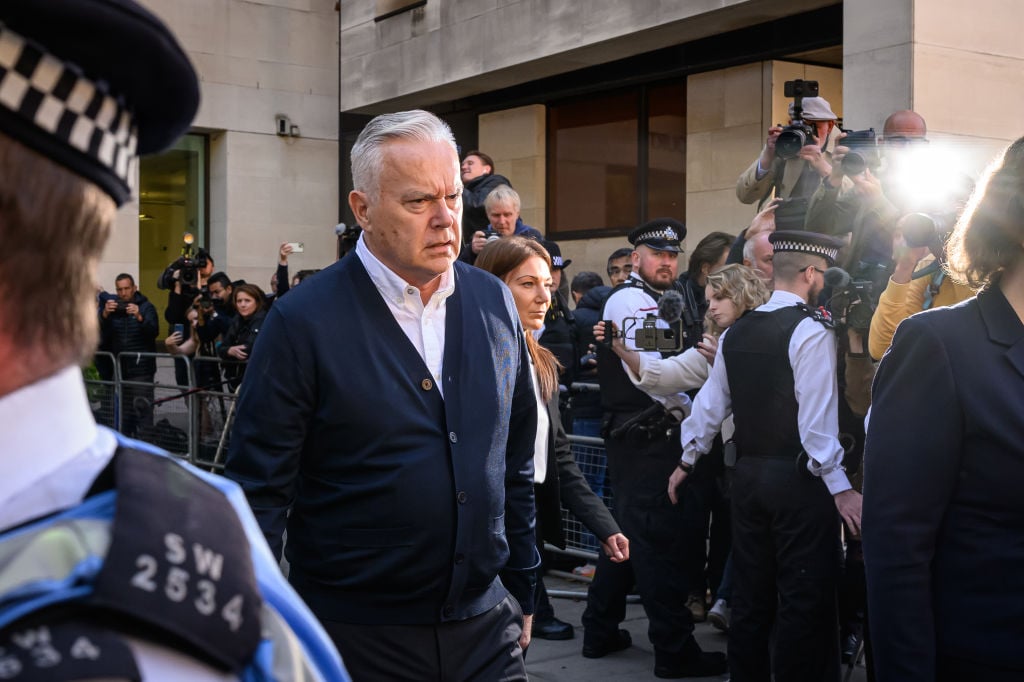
x: 904, y: 126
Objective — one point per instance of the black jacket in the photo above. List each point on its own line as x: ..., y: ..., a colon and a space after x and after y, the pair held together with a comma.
x: 587, y: 404
x: 565, y: 486
x: 121, y: 333
x: 240, y: 332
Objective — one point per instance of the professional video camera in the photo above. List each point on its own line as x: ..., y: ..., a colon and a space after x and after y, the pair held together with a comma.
x: 797, y: 134
x: 853, y: 301
x: 863, y: 153
x: 190, y: 263
x: 646, y: 333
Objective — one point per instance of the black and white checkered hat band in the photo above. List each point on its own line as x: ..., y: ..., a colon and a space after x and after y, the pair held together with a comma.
x: 829, y: 252
x: 664, y: 234
x: 58, y: 98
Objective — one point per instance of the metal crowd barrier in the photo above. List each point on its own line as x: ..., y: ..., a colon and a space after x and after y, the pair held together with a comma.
x: 190, y: 418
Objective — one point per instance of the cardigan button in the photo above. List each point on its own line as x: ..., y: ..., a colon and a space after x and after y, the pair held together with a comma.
x: 461, y: 497
x: 459, y: 558
x: 453, y: 438
x: 426, y: 384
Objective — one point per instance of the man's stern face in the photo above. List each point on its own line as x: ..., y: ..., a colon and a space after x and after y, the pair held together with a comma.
x: 413, y: 225
x: 125, y: 289
x: 657, y: 268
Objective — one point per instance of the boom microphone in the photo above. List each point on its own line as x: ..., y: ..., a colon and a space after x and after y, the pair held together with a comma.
x: 836, y: 278
x: 670, y: 306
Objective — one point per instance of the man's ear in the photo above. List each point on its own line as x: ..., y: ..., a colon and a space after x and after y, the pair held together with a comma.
x: 360, y: 206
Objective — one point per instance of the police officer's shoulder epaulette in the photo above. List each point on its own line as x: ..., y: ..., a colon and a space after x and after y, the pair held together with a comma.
x: 818, y: 314
x: 180, y: 561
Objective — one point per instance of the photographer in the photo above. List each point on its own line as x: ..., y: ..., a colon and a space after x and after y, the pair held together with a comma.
x: 797, y: 175
x: 643, y: 448
x: 502, y: 206
x: 184, y: 280
x: 128, y: 324
x: 478, y: 178
x: 911, y: 288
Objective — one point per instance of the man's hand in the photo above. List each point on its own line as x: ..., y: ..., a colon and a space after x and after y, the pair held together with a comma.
x: 133, y: 310
x: 849, y: 504
x: 238, y: 352
x: 867, y: 185
x: 616, y: 547
x: 815, y: 158
x: 674, y: 481
x: 763, y: 221
x: 283, y: 252
x: 524, y: 639
x: 836, y: 177
x: 768, y: 153
x: 109, y: 307
x: 479, y: 241
x: 906, y: 257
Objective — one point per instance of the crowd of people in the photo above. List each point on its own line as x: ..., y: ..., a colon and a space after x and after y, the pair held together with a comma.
x: 406, y: 448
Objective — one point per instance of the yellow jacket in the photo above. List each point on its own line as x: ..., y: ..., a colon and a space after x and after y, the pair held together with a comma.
x: 900, y: 301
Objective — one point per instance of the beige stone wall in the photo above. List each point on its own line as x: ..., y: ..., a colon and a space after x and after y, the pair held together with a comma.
x: 517, y: 141
x: 449, y: 49
x: 256, y: 60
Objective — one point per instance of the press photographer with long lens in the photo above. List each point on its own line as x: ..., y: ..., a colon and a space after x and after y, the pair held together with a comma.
x: 184, y: 280
x: 643, y: 448
x: 795, y: 157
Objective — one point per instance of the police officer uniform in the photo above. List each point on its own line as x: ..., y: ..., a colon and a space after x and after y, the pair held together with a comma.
x: 642, y: 449
x: 789, y: 465
x: 116, y: 561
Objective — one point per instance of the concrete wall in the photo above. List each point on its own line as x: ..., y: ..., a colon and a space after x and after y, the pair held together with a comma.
x: 449, y: 49
x: 256, y: 60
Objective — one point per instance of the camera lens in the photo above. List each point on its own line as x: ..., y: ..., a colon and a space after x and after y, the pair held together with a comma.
x: 854, y: 164
x: 789, y: 143
x: 918, y: 230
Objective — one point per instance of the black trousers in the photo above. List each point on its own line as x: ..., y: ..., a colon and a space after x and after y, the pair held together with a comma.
x: 659, y: 535
x: 484, y: 648
x: 785, y: 535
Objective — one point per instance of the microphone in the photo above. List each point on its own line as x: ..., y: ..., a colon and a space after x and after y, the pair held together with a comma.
x: 670, y: 306
x: 836, y: 278
x: 340, y: 229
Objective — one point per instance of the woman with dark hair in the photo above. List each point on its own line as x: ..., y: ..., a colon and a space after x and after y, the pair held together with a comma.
x: 944, y: 462
x: 250, y: 303
x: 525, y: 267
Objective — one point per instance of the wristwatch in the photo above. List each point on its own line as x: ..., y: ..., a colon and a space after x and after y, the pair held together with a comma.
x: 685, y: 467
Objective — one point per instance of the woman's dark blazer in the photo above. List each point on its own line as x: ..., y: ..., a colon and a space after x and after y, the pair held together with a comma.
x: 943, y: 520
x: 565, y: 486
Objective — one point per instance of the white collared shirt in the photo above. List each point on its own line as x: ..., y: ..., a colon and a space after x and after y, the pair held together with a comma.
x: 423, y: 324
x: 540, y: 441
x: 812, y: 355
x: 52, y: 450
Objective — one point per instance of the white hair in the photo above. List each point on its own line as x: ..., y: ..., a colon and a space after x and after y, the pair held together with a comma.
x: 502, y: 194
x: 368, y: 151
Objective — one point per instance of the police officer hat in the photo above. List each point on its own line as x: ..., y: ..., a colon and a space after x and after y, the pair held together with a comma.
x: 660, y: 234
x: 800, y: 241
x: 91, y: 84
x: 555, y: 251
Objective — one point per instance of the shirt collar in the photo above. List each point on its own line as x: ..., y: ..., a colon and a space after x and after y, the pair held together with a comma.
x: 392, y: 287
x: 33, y: 447
x: 787, y: 297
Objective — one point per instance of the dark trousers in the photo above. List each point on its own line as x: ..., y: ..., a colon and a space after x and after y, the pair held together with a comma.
x: 785, y: 535
x: 659, y: 534
x: 484, y: 648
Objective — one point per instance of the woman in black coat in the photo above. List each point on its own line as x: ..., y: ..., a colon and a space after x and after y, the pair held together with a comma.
x: 250, y: 304
x: 943, y: 516
x: 525, y: 267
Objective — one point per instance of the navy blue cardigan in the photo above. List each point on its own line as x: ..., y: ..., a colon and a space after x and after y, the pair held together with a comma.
x: 403, y: 506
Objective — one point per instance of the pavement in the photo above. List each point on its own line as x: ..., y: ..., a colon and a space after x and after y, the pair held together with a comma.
x: 562, y: 661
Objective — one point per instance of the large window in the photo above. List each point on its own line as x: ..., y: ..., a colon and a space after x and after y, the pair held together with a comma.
x: 616, y: 160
